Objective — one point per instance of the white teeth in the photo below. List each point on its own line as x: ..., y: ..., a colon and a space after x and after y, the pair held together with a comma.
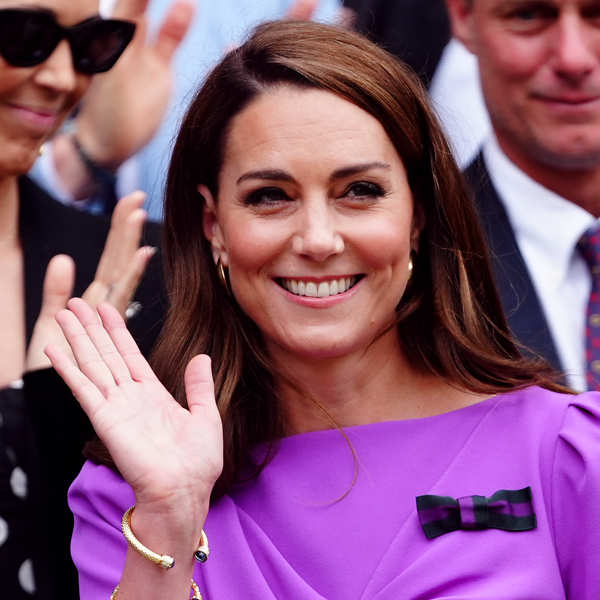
x: 311, y: 289
x: 324, y: 289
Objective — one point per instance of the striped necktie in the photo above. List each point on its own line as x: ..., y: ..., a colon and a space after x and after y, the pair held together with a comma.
x: 589, y: 246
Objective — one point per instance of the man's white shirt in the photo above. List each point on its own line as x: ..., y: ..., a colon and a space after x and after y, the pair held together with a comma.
x: 547, y: 228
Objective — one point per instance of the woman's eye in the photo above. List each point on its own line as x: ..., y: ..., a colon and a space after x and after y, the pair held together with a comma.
x: 266, y: 196
x: 363, y: 189
x: 592, y: 12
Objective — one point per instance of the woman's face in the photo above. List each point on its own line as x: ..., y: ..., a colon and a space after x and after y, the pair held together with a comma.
x: 34, y: 101
x: 314, y: 220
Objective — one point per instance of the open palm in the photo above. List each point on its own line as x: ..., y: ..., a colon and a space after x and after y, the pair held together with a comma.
x: 162, y: 449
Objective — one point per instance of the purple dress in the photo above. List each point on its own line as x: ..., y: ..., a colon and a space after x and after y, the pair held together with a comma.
x: 304, y: 531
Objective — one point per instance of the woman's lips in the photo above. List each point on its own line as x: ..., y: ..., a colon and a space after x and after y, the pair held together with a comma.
x: 324, y: 288
x: 319, y: 293
x: 37, y: 119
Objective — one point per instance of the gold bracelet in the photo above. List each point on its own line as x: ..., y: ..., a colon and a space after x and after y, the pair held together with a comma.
x: 164, y: 560
x: 197, y: 595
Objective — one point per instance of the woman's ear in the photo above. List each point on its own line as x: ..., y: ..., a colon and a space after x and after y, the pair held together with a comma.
x: 414, y: 242
x: 417, y: 227
x: 210, y: 224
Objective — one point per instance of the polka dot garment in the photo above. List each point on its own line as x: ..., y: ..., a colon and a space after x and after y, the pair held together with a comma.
x: 17, y: 530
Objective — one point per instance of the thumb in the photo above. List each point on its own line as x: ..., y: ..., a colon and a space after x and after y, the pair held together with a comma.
x: 173, y: 29
x: 199, y: 387
x: 58, y: 285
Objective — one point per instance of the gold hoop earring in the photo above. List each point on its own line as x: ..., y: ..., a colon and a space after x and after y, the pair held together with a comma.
x: 222, y: 275
x: 410, y: 267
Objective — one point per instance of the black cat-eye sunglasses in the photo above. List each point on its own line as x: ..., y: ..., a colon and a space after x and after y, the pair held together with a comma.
x: 29, y: 37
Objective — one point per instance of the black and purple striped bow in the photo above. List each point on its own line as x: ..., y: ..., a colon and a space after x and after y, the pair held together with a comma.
x: 510, y: 510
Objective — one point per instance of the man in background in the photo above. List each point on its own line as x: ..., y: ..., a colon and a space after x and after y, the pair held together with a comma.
x: 537, y: 178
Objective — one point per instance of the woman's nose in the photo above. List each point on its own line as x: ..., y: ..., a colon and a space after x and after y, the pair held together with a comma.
x: 57, y: 71
x: 318, y: 236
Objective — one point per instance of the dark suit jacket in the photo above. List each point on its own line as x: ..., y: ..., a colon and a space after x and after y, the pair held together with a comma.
x: 520, y: 301
x: 59, y: 427
x: 416, y: 31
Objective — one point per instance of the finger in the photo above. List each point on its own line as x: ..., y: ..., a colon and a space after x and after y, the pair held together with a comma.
x: 121, y: 245
x: 124, y: 342
x: 58, y: 285
x: 88, y: 395
x: 126, y: 205
x: 123, y: 236
x: 199, y: 386
x: 84, y: 351
x: 173, y: 29
x: 124, y: 209
x: 302, y: 10
x: 101, y: 340
x: 123, y: 291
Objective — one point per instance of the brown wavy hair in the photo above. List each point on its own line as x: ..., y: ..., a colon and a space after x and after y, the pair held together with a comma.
x: 450, y: 320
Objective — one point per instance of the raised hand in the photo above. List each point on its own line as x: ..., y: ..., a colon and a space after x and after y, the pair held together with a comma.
x: 168, y: 454
x: 125, y: 106
x: 119, y: 272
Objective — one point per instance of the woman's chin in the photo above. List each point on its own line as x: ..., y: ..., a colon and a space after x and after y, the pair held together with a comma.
x: 19, y: 161
x: 317, y: 350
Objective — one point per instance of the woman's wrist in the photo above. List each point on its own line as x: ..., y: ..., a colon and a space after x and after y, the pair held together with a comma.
x: 181, y: 523
x: 72, y: 173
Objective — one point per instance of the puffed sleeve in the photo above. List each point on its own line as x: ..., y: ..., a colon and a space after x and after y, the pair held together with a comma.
x: 98, y: 498
x: 576, y: 497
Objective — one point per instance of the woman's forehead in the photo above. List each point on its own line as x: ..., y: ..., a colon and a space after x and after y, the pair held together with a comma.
x: 286, y: 119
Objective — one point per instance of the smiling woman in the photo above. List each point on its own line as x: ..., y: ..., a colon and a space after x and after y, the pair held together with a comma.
x: 368, y: 428
x: 296, y: 211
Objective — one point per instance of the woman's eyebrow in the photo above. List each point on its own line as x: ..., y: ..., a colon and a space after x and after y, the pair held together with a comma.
x: 357, y: 169
x: 280, y: 175
x: 268, y: 174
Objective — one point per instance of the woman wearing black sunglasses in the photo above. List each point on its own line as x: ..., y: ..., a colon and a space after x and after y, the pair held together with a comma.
x: 49, y: 49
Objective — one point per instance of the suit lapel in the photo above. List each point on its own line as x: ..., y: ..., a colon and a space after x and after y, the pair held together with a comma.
x: 520, y: 301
